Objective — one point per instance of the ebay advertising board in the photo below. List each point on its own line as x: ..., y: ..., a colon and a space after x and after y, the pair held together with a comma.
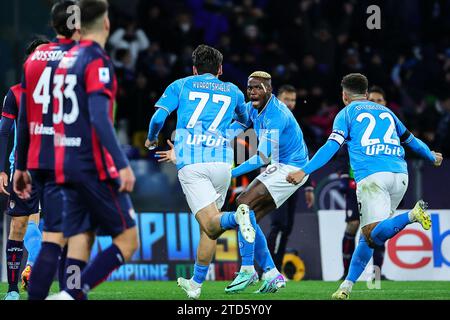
x: 413, y: 254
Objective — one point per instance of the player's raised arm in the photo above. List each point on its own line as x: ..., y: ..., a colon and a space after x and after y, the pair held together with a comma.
x: 165, y: 106
x: 416, y: 145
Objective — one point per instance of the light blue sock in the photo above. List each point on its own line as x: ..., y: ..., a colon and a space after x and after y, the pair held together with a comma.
x: 227, y: 220
x: 246, y: 249
x: 262, y: 253
x: 388, y: 228
x: 32, y: 242
x: 200, y: 273
x: 359, y: 261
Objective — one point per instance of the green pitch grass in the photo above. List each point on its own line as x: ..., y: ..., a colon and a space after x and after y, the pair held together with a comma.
x: 303, y: 290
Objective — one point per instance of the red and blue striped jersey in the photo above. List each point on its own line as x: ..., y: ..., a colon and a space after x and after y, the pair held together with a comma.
x: 37, y: 115
x: 10, y: 110
x: 85, y: 70
x: 12, y: 102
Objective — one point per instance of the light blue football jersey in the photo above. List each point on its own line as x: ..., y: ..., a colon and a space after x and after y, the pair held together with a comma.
x: 277, y: 125
x: 205, y: 106
x: 372, y: 132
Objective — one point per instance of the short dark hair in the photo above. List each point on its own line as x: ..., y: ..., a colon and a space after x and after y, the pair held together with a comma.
x: 286, y: 88
x: 355, y: 83
x: 207, y: 59
x: 34, y: 44
x: 60, y: 17
x: 91, y: 10
x: 377, y: 89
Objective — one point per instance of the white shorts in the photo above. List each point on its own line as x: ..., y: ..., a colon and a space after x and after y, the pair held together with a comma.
x: 205, y: 183
x: 379, y: 195
x: 274, y: 178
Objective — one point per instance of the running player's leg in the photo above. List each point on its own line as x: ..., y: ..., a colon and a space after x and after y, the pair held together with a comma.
x: 204, y: 186
x: 19, y: 210
x: 205, y: 253
x: 113, y: 213
x: 352, y: 221
x: 53, y: 240
x: 380, y: 192
x: 32, y: 242
x: 14, y: 253
x: 257, y: 200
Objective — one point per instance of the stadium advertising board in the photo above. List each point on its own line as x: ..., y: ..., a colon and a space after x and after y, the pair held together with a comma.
x: 167, y: 249
x: 413, y: 254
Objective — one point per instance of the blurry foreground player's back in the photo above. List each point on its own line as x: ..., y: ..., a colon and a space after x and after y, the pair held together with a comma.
x: 35, y: 146
x: 94, y: 173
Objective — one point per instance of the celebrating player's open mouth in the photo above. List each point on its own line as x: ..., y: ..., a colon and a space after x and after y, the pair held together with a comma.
x: 257, y: 92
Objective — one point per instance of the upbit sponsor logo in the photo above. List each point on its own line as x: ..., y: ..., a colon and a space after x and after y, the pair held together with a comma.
x: 207, y: 140
x: 383, y: 149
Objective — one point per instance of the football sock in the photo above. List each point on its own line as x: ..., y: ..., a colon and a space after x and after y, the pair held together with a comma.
x: 247, y: 269
x: 32, y: 242
x: 228, y: 220
x: 44, y: 271
x: 62, y: 268
x: 247, y: 249
x: 348, y: 246
x: 98, y: 271
x: 14, y: 253
x: 388, y: 228
x: 378, y: 256
x: 361, y: 256
x: 262, y: 253
x: 272, y: 273
x: 200, y: 273
x: 73, y: 267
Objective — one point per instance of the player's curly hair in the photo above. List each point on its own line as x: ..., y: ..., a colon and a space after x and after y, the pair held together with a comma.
x: 60, y: 17
x: 207, y: 59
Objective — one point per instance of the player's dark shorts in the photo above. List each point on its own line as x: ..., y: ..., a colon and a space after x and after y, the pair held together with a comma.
x: 351, y: 205
x: 96, y: 205
x: 22, y: 208
x: 51, y: 199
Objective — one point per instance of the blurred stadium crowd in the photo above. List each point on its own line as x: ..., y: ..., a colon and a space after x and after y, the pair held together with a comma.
x: 310, y: 44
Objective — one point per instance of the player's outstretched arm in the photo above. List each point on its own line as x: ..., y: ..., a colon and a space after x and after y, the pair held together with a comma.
x: 420, y: 148
x: 98, y: 110
x: 321, y: 158
x: 255, y: 162
x: 155, y: 126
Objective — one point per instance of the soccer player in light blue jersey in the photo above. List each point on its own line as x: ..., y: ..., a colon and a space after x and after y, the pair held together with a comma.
x: 375, y: 138
x: 280, y: 142
x: 206, y: 107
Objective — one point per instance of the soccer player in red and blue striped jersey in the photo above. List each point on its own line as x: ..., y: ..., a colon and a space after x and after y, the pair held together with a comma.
x: 90, y: 166
x: 24, y: 226
x: 35, y: 145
